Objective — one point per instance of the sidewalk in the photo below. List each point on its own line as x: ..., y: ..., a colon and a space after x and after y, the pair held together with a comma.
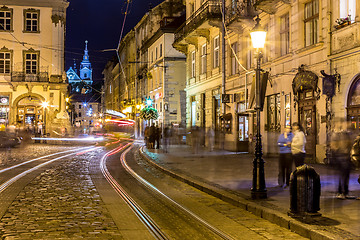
x: 228, y: 175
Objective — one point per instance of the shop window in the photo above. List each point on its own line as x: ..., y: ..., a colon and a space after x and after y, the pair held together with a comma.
x: 273, y: 113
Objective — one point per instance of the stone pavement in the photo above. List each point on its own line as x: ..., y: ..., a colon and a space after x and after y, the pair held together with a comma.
x: 228, y: 176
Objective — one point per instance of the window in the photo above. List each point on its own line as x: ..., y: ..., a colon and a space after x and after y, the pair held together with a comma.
x: 5, y: 62
x: 79, y: 114
x: 192, y: 8
x: 193, y: 64
x: 348, y: 7
x: 273, y: 111
x: 79, y: 106
x: 156, y: 53
x: 203, y: 59
x: 284, y: 34
x: 311, y: 22
x: 152, y: 56
x: 216, y: 52
x: 31, y: 62
x: 5, y: 19
x: 234, y: 64
x: 160, y: 50
x: 31, y: 20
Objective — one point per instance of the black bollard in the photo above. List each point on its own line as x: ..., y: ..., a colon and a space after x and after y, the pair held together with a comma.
x: 305, y: 190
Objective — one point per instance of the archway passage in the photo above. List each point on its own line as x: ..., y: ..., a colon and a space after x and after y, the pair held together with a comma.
x: 29, y: 112
x: 353, y: 104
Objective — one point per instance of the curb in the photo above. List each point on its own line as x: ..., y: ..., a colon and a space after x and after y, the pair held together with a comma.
x: 316, y: 232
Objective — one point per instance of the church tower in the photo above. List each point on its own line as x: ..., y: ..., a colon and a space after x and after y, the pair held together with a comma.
x: 85, y: 67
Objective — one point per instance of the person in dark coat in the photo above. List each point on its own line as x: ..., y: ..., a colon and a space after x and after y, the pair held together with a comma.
x: 152, y: 135
x: 157, y: 137
x: 285, y: 157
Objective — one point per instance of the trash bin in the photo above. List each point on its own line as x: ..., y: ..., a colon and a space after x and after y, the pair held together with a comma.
x: 305, y: 192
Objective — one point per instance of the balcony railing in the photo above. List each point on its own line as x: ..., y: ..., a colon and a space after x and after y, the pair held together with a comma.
x: 241, y: 9
x: 23, y: 77
x: 209, y: 10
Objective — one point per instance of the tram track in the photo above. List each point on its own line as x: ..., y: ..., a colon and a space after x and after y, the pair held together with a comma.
x: 143, y: 215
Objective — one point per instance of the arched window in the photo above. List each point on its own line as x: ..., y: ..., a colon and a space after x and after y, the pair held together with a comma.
x: 353, y: 104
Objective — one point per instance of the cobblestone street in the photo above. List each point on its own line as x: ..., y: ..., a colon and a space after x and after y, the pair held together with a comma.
x: 60, y: 203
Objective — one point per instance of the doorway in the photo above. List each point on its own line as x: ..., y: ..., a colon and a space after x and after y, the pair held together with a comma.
x: 307, y: 119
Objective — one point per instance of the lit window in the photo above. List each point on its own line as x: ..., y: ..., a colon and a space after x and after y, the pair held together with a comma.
x: 193, y: 64
x: 31, y: 18
x: 348, y: 7
x: 216, y: 52
x: 5, y: 19
x: 203, y: 59
x: 284, y: 34
x: 31, y: 62
x: 5, y: 62
x: 311, y: 22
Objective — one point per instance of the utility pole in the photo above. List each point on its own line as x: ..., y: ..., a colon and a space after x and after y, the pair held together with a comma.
x: 223, y: 52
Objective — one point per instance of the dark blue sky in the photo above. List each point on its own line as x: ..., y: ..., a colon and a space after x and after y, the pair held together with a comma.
x: 100, y: 23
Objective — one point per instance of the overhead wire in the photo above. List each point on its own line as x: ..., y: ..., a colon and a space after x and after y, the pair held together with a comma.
x: 228, y: 39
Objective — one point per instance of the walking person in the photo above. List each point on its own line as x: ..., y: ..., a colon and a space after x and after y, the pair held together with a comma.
x: 285, y: 157
x: 152, y: 133
x: 146, y: 136
x: 157, y: 137
x: 341, y: 144
x: 298, y: 145
x: 211, y: 138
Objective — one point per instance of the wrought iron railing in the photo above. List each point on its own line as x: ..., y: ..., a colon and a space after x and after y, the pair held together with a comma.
x: 242, y: 9
x: 209, y: 10
x: 23, y: 77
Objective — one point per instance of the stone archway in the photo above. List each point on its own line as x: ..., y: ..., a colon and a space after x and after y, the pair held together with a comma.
x: 28, y: 110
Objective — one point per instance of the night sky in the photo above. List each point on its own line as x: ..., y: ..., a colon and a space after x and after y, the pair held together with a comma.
x: 100, y: 23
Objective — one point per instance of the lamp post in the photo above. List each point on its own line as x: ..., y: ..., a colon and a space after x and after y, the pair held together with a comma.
x: 258, y: 190
x: 45, y: 106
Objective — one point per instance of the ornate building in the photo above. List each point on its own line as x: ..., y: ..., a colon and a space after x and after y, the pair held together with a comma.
x: 32, y: 80
x: 84, y: 102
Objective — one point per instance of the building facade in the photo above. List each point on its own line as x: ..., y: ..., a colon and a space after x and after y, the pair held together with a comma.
x: 308, y: 43
x: 150, y: 68
x: 32, y: 80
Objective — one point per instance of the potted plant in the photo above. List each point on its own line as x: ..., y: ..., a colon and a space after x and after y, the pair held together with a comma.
x: 342, y: 22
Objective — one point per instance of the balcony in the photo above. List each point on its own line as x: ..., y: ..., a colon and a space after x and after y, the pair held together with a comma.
x: 268, y: 6
x: 23, y: 77
x: 239, y: 11
x: 210, y: 11
x: 345, y: 38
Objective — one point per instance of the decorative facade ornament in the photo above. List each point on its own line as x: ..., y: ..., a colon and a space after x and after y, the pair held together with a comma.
x: 55, y: 18
x: 305, y: 80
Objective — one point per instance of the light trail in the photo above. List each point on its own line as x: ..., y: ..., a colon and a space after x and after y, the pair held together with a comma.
x: 35, y: 159
x: 17, y: 177
x: 87, y: 139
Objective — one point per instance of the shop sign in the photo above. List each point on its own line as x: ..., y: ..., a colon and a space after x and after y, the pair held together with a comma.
x: 4, y: 100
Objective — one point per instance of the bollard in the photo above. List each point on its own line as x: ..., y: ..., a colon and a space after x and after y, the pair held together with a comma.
x: 305, y: 192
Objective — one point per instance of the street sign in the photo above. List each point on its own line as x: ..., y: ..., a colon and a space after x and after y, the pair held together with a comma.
x: 225, y: 98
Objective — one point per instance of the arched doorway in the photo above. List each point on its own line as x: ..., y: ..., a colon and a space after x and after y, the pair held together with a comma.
x: 29, y: 111
x: 353, y: 104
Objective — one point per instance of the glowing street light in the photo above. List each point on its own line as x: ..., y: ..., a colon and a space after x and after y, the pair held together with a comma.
x: 258, y: 190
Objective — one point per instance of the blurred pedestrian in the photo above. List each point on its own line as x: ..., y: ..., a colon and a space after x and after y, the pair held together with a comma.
x: 166, y: 138
x: 285, y: 158
x: 146, y: 136
x: 195, y: 141
x: 298, y: 145
x: 211, y: 138
x: 340, y: 144
x: 157, y: 137
x: 152, y: 132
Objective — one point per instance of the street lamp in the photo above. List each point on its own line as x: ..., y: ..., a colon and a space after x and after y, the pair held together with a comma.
x: 258, y: 190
